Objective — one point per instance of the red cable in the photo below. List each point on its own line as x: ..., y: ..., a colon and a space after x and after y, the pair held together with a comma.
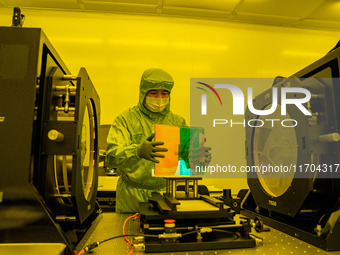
x: 127, y: 240
x: 132, y: 247
x: 81, y: 252
x: 132, y: 250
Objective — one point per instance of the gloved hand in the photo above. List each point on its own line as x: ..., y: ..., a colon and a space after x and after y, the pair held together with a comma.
x: 148, y: 150
x: 199, y: 156
x: 207, y: 155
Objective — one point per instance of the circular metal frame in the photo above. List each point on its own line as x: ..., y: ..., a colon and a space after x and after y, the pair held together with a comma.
x: 301, y: 184
x: 275, y: 146
x: 89, y: 147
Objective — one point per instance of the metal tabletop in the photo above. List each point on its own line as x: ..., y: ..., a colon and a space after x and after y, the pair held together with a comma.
x: 274, y: 242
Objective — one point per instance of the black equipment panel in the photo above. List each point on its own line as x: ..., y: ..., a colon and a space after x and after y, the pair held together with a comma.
x: 47, y: 188
x: 309, y: 201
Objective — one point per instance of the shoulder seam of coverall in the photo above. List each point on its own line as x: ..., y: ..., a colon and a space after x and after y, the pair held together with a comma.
x: 123, y: 117
x: 122, y: 121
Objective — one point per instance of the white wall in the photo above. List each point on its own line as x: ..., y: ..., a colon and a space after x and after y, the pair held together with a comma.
x: 116, y: 49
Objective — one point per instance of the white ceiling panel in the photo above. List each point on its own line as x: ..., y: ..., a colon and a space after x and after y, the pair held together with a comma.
x: 319, y: 24
x: 195, y: 13
x: 120, y: 7
x: 263, y: 19
x: 222, y: 5
x: 54, y: 4
x: 149, y: 2
x: 330, y: 10
x: 314, y: 14
x: 287, y: 8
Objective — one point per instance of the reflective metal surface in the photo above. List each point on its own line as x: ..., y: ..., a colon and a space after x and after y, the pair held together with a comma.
x: 275, y: 145
x: 88, y: 150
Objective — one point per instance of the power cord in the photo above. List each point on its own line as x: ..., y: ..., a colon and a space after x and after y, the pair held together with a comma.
x: 96, y: 244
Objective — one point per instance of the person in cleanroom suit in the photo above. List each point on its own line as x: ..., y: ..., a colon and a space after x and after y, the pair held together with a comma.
x: 130, y: 145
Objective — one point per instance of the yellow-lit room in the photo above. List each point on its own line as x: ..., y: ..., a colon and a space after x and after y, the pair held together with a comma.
x: 169, y: 127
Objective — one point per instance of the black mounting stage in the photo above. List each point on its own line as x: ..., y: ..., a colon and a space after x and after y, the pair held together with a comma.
x: 187, y: 220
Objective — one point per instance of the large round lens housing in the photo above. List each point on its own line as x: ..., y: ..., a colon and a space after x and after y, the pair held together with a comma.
x: 275, y: 152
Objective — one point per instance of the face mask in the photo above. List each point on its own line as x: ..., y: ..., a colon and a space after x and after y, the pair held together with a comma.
x: 156, y: 104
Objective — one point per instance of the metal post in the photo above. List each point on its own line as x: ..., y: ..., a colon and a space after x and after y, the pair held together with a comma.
x: 195, y: 188
x: 187, y: 187
x: 168, y: 190
x: 173, y: 187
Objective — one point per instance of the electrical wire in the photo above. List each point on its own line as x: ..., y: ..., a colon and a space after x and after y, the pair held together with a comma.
x: 96, y: 244
x: 255, y: 236
x: 114, y: 237
x: 225, y: 231
x: 189, y: 233
x: 127, y: 240
x: 323, y: 216
x: 213, y: 229
x: 81, y: 252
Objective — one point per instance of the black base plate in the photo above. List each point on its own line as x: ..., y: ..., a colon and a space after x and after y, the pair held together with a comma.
x: 221, y: 243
